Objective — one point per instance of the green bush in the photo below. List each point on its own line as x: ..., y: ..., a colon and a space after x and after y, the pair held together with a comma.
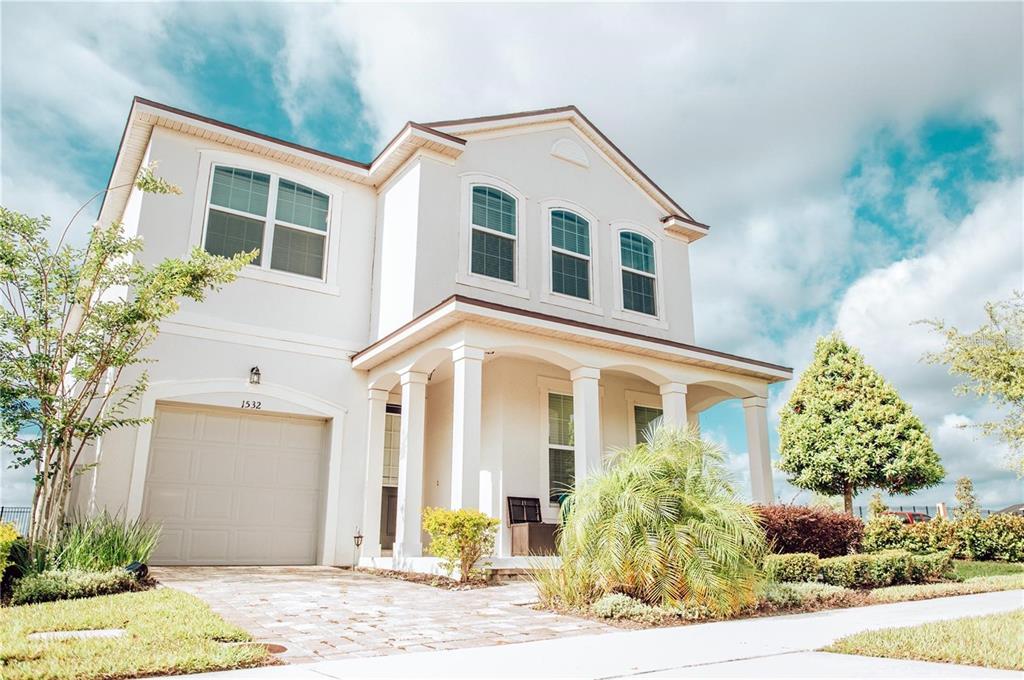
x: 889, y: 567
x: 662, y: 524
x: 102, y: 542
x: 884, y: 532
x: 928, y: 537
x: 72, y: 584
x: 8, y: 536
x: 933, y: 567
x: 849, y: 571
x: 997, y: 537
x: 460, y: 537
x: 617, y: 606
x: 790, y: 595
x: 792, y: 567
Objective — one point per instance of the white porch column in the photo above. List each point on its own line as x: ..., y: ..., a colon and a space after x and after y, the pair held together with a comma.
x: 378, y: 400
x: 755, y: 415
x: 673, y: 405
x: 586, y: 407
x: 410, y: 465
x: 467, y: 386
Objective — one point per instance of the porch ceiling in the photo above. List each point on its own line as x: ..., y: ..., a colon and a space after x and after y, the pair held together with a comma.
x: 459, y: 308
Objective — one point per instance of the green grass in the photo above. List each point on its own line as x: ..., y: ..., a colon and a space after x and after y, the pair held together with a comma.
x: 978, y: 584
x: 168, y: 632
x: 966, y: 569
x: 992, y: 641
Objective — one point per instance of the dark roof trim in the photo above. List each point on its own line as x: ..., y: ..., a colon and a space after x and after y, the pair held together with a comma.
x: 503, y: 116
x: 568, y: 322
x: 688, y: 220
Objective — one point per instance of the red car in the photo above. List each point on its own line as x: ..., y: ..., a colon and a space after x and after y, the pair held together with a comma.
x: 910, y: 517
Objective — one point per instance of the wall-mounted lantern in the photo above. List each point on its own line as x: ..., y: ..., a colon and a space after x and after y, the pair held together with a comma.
x: 254, y: 375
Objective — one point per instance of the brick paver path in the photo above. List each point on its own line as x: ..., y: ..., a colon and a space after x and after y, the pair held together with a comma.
x: 323, y: 613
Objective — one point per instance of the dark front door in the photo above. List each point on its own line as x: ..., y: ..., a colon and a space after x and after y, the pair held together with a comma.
x: 388, y: 516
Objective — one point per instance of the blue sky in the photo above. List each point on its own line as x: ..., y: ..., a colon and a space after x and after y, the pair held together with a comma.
x: 851, y: 186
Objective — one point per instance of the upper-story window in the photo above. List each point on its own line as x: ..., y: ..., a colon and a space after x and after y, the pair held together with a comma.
x: 570, y: 254
x: 638, y: 282
x: 493, y: 222
x: 240, y: 219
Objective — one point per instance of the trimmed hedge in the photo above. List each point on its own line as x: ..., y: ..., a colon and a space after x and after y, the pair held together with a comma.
x: 791, y: 568
x: 887, y: 568
x: 798, y: 529
x: 48, y: 586
x: 997, y: 537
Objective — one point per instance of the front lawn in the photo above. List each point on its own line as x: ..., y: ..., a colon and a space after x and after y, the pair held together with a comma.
x: 966, y: 569
x: 168, y: 632
x: 993, y: 641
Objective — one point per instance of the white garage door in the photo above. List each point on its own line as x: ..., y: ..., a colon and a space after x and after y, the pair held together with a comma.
x: 234, y: 488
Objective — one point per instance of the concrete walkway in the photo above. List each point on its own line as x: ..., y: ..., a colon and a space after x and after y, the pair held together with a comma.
x: 762, y: 647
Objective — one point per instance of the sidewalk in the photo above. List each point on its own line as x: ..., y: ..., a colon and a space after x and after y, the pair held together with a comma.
x: 763, y: 646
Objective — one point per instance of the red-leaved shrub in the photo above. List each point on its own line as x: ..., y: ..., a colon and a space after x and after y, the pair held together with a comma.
x: 798, y: 529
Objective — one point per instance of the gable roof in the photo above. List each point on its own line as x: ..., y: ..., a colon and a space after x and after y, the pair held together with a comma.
x: 440, y: 136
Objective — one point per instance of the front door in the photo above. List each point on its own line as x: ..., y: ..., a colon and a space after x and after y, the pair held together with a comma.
x: 388, y: 516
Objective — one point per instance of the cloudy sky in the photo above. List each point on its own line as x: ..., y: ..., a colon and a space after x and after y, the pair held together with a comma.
x: 860, y: 164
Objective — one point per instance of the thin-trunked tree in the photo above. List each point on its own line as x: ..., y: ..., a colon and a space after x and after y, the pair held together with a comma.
x: 72, y: 320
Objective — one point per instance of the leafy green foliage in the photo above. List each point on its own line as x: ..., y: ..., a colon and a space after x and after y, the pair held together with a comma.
x: 819, y: 530
x: 103, y: 541
x: 662, y: 524
x: 8, y: 537
x: 791, y: 567
x: 996, y: 537
x: 618, y: 606
x: 460, y: 537
x: 846, y: 429
x: 966, y: 501
x: 876, y: 506
x: 73, y: 324
x: 71, y: 584
x: 772, y: 595
x: 884, y: 532
x: 991, y: 361
x: 932, y: 567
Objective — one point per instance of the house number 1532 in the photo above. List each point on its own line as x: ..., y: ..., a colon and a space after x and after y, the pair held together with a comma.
x: 252, y: 404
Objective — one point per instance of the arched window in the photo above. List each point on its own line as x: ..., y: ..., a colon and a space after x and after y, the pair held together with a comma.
x: 638, y: 283
x: 570, y: 254
x: 493, y: 221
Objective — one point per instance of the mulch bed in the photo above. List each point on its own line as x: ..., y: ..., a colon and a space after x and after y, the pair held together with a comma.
x: 427, y: 579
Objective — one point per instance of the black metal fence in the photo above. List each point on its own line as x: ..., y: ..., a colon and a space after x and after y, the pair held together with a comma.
x: 19, y: 515
x: 863, y: 512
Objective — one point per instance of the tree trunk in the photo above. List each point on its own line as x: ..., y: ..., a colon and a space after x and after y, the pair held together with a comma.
x: 848, y: 499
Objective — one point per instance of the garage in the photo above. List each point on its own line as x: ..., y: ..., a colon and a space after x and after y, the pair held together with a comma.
x: 235, y: 487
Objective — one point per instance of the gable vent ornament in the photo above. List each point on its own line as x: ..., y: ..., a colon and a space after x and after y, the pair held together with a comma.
x: 572, y: 151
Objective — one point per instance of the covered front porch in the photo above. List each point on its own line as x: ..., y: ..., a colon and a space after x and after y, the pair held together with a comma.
x: 467, y: 412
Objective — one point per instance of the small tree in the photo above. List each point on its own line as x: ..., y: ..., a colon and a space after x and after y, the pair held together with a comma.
x: 876, y: 506
x: 991, y: 360
x: 72, y: 320
x: 966, y: 501
x: 846, y: 429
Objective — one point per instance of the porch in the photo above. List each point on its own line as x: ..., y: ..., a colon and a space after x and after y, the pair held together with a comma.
x: 470, y: 408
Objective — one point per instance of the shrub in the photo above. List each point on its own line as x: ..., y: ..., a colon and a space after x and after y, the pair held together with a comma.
x: 102, y: 542
x: 791, y: 595
x: 934, y: 567
x: 638, y: 526
x: 997, y: 537
x: 849, y: 571
x: 618, y: 606
x: 8, y: 537
x: 928, y: 537
x: 819, y: 530
x: 884, y: 532
x: 887, y: 568
x: 460, y: 537
x: 791, y: 567
x: 68, y: 585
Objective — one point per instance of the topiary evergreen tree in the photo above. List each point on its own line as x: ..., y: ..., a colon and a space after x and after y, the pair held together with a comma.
x: 845, y: 429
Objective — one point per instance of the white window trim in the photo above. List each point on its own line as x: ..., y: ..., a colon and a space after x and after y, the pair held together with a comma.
x: 209, y: 158
x: 620, y: 311
x: 465, y: 275
x: 548, y: 295
x: 549, y: 511
x: 634, y: 399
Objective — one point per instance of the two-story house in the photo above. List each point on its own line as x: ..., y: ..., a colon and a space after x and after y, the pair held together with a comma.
x: 482, y: 311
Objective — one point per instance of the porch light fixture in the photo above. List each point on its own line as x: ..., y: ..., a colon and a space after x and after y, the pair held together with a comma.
x: 254, y: 375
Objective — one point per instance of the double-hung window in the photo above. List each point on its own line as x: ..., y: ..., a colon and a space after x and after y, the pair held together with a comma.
x: 561, y: 451
x: 250, y: 210
x: 643, y: 416
x: 638, y: 282
x: 570, y: 254
x: 493, y: 240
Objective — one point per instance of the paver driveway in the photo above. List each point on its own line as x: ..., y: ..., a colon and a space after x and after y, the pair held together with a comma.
x: 323, y: 613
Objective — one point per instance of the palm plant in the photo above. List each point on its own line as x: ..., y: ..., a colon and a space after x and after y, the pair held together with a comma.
x: 661, y: 524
